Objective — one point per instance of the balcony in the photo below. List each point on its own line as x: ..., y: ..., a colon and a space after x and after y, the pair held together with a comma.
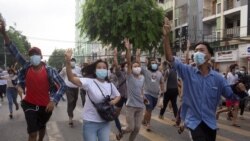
x: 232, y: 32
x: 207, y: 12
x: 210, y: 38
x: 230, y: 4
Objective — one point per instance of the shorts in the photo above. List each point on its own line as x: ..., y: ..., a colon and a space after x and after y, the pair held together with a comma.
x: 121, y: 102
x: 230, y: 103
x: 36, y: 116
x: 152, y: 102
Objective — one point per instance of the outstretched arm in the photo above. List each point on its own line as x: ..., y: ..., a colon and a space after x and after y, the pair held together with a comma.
x: 187, y: 52
x: 166, y: 42
x: 138, y: 56
x: 11, y: 47
x: 128, y: 55
x: 72, y: 78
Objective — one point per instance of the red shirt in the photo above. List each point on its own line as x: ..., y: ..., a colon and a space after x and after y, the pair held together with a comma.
x: 37, y: 87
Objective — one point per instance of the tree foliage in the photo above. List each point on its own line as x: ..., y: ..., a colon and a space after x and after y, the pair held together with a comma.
x: 56, y: 60
x: 110, y: 21
x: 19, y: 40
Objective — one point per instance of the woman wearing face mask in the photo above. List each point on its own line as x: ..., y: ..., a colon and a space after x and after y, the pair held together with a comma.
x: 94, y: 127
x: 11, y: 90
x: 135, y: 96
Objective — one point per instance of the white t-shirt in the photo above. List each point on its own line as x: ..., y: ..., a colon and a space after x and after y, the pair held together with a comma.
x: 232, y: 79
x: 76, y: 71
x: 88, y: 84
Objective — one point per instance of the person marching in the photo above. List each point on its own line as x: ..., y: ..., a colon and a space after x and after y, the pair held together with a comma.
x: 38, y: 80
x: 153, y: 87
x: 202, y: 89
x: 97, y: 89
x: 135, y: 95
x: 72, y: 90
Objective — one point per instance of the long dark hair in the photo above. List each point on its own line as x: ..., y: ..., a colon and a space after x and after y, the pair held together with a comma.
x: 89, y: 70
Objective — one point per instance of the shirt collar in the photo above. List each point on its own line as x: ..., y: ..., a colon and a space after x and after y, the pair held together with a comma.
x: 211, y: 72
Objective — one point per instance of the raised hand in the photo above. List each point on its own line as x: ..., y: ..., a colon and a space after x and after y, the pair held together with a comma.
x: 166, y: 26
x: 188, y: 44
x: 138, y: 52
x: 68, y: 54
x: 2, y: 25
x: 115, y: 52
x: 127, y: 43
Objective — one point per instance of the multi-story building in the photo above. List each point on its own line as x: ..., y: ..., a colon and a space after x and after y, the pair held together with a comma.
x: 86, y: 51
x: 222, y: 23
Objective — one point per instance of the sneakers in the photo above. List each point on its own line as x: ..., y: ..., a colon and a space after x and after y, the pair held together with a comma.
x: 161, y: 117
x: 17, y: 106
x: 11, y: 116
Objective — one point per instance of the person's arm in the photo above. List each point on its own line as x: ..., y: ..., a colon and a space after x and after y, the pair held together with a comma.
x: 138, y: 56
x: 187, y: 52
x: 162, y: 85
x: 166, y: 42
x: 115, y: 63
x: 75, y: 80
x: 128, y: 55
x: 117, y: 95
x: 58, y: 81
x: 10, y: 46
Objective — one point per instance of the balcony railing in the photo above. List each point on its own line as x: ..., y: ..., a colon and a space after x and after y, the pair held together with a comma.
x: 232, y: 32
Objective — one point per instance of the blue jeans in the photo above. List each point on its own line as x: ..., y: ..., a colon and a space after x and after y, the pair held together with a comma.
x: 12, y: 97
x: 96, y: 130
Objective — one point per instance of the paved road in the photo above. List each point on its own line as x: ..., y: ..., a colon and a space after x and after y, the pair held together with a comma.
x: 162, y: 130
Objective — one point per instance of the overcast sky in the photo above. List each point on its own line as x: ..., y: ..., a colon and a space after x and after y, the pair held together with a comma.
x: 40, y: 20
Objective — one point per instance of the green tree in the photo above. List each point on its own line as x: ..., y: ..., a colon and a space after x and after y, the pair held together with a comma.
x: 56, y: 60
x: 19, y: 40
x: 109, y: 21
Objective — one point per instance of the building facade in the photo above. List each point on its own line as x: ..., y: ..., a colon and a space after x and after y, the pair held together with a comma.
x: 86, y: 51
x: 222, y: 23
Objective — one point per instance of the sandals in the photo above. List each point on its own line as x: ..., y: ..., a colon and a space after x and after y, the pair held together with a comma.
x: 119, y: 136
x: 71, y: 124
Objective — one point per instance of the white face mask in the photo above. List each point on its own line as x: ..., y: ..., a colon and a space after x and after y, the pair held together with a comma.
x: 199, y: 58
x: 73, y: 64
x: 136, y: 70
x: 35, y: 60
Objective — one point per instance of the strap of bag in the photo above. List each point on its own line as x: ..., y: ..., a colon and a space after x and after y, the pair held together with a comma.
x: 90, y: 99
x: 101, y: 90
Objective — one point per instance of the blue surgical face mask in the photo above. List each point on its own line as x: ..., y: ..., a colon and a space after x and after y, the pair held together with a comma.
x: 101, y: 73
x: 199, y: 58
x: 154, y: 66
x: 35, y: 60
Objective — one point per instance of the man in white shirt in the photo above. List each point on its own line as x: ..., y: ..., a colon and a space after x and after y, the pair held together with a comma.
x: 72, y: 90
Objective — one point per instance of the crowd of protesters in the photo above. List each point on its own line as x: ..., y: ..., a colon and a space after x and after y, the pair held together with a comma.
x: 138, y: 87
